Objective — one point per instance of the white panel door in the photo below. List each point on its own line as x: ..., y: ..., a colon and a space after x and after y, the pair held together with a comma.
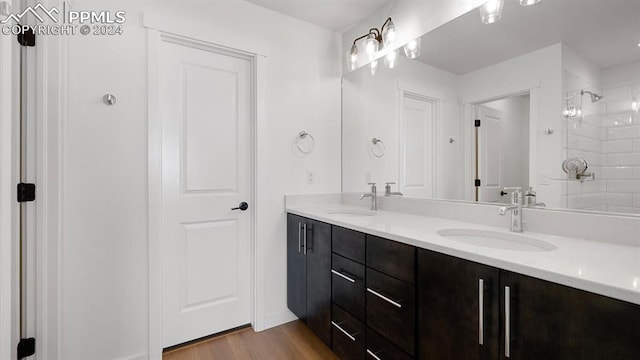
x: 418, y: 147
x: 490, y: 159
x: 206, y: 171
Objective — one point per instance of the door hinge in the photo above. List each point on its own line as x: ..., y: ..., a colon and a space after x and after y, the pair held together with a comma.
x: 477, y: 123
x: 26, y: 348
x: 26, y: 192
x: 27, y: 38
x: 477, y: 182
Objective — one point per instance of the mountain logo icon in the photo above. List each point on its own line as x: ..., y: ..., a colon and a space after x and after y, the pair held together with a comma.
x: 35, y: 11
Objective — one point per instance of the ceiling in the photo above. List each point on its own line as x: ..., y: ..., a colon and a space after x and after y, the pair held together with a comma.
x: 336, y: 15
x: 605, y: 32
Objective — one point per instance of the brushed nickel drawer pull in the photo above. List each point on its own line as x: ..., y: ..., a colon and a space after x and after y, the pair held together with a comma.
x: 481, y: 311
x: 352, y: 337
x: 507, y: 321
x: 373, y: 355
x: 343, y: 276
x: 394, y: 303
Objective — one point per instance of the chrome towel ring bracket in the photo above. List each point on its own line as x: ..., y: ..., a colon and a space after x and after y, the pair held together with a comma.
x: 377, y: 147
x: 305, y: 142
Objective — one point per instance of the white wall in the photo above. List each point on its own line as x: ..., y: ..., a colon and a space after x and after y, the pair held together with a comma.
x: 542, y: 67
x: 514, y: 131
x: 371, y: 109
x: 412, y: 18
x: 8, y: 205
x: 104, y: 259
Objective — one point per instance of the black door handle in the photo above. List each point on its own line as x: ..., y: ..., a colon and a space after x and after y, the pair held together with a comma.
x: 243, y: 206
x: 503, y: 193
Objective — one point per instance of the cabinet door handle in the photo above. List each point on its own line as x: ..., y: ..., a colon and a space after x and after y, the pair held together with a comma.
x: 299, y: 237
x: 507, y: 321
x: 373, y: 355
x: 304, y: 237
x: 481, y: 311
x: 337, y: 326
x: 394, y: 303
x: 343, y: 276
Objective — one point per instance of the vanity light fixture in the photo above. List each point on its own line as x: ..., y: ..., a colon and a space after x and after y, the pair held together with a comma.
x: 491, y: 11
x: 529, y: 2
x: 412, y: 48
x: 374, y: 39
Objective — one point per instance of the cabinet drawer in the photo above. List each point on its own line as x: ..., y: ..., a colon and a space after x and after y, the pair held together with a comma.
x: 348, y: 286
x: 391, y: 309
x: 392, y: 258
x: 379, y: 348
x: 348, y: 243
x: 348, y: 335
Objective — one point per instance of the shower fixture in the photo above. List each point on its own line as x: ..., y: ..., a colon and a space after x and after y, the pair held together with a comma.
x: 594, y: 97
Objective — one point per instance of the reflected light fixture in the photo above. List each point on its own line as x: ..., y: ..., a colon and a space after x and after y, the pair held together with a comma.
x: 412, y: 48
x: 391, y: 59
x: 529, y: 2
x: 491, y: 11
x: 374, y: 40
x: 634, y: 105
x: 374, y: 67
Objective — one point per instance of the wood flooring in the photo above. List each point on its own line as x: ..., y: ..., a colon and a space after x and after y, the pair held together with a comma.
x: 289, y: 341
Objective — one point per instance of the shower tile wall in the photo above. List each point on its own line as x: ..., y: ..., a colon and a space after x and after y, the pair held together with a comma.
x: 608, y: 137
x: 584, y: 140
x: 621, y: 150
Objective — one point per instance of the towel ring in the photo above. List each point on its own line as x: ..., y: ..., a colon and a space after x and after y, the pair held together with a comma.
x: 311, y: 142
x: 379, y: 145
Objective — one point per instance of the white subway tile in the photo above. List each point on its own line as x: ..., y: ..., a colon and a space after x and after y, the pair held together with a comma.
x: 623, y: 186
x: 618, y: 119
x: 628, y: 159
x: 585, y: 143
x: 636, y: 172
x: 619, y: 93
x: 617, y: 199
x: 584, y: 129
x: 636, y: 200
x: 584, y: 201
x: 617, y: 146
x: 619, y: 106
x: 636, y: 145
x: 623, y: 132
x: 614, y: 172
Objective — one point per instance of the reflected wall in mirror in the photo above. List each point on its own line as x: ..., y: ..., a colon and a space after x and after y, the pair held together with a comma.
x: 553, y: 84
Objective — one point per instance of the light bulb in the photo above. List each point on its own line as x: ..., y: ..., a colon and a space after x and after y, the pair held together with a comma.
x: 389, y: 34
x: 352, y: 57
x: 529, y: 2
x: 391, y: 59
x: 491, y: 11
x: 412, y: 49
x: 374, y: 67
x: 371, y: 46
x: 634, y: 105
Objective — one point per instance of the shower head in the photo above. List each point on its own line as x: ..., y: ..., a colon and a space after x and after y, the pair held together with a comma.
x: 594, y: 97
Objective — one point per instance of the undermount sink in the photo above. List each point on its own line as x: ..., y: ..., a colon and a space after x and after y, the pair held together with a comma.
x: 351, y: 212
x: 497, y: 240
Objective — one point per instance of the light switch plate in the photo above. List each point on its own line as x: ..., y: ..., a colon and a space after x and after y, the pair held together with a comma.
x: 310, y: 177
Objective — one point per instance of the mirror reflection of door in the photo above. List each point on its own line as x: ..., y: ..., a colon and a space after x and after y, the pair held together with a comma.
x: 418, y: 145
x: 503, y: 147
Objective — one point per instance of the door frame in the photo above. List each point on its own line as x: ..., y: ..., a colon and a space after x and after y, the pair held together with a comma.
x: 258, y: 62
x: 469, y: 104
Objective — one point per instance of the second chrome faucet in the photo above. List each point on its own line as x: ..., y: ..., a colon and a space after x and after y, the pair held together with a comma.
x: 374, y: 194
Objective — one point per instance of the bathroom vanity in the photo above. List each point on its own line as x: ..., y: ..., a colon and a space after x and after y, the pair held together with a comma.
x: 386, y: 285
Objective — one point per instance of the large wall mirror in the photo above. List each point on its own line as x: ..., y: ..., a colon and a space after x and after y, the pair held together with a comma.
x: 554, y: 88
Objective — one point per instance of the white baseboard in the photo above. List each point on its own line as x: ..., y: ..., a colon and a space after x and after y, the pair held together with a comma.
x: 274, y: 320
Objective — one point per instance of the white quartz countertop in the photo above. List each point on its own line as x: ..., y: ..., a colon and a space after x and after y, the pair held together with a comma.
x: 607, y: 269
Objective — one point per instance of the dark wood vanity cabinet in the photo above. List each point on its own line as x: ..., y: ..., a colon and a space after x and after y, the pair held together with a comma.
x: 373, y: 298
x: 520, y: 318
x: 458, y: 308
x: 309, y: 274
x: 551, y: 321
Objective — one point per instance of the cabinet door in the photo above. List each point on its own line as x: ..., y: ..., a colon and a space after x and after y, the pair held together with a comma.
x: 548, y: 321
x: 296, y: 267
x: 450, y: 318
x: 319, y: 279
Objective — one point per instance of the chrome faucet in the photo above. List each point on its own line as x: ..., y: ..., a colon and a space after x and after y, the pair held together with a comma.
x: 373, y: 195
x: 515, y: 208
x: 388, y: 192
